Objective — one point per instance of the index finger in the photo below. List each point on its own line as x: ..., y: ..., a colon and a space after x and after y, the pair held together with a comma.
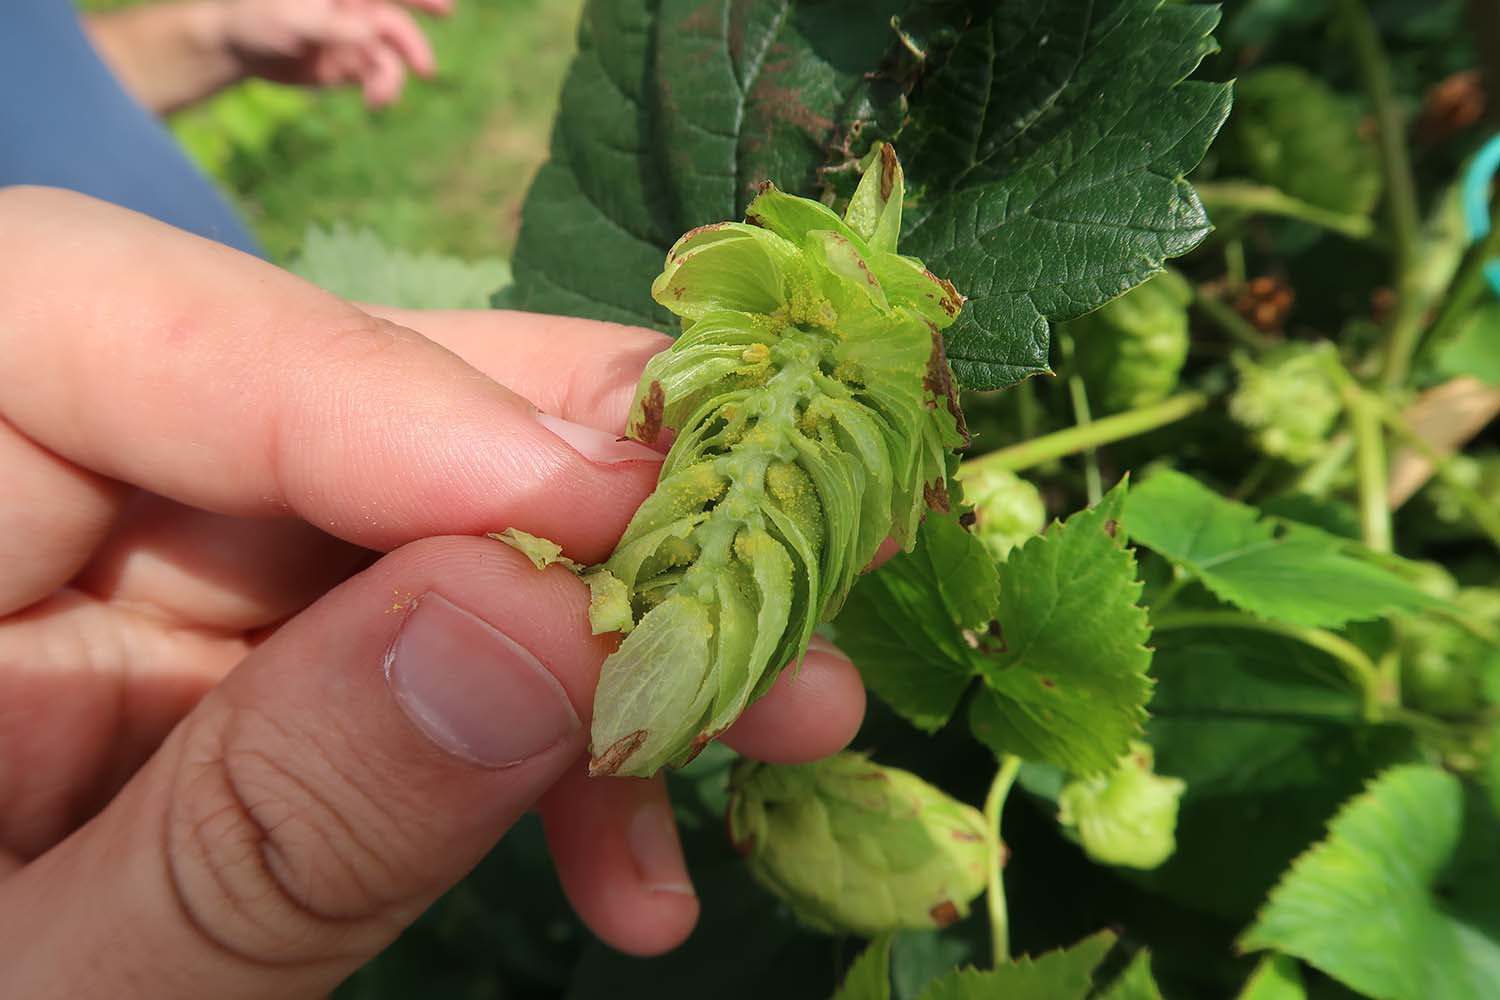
x: 191, y: 370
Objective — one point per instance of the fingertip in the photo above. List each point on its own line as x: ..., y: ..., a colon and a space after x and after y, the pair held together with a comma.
x: 618, y: 856
x: 812, y: 711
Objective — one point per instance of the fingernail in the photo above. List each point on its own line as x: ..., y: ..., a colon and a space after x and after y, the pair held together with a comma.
x: 596, y: 445
x: 473, y: 690
x: 652, y: 836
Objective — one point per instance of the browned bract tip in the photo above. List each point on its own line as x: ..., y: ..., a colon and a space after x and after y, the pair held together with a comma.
x: 935, y: 494
x: 700, y: 741
x: 648, y: 429
x: 968, y: 519
x: 763, y: 187
x: 944, y: 914
x: 888, y: 168
x: 938, y: 380
x: 1111, y: 526
x: 951, y: 301
x: 614, y: 758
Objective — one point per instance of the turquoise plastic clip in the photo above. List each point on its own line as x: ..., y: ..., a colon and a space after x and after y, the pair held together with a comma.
x: 1477, y: 203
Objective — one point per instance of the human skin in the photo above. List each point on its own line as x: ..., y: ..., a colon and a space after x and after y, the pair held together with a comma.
x: 265, y: 690
x: 173, y: 53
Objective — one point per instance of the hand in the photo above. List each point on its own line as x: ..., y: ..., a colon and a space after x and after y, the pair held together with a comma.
x: 240, y: 750
x: 368, y: 43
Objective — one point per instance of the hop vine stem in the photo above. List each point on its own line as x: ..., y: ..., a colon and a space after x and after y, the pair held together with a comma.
x: 1105, y: 430
x: 994, y: 805
x: 1400, y: 188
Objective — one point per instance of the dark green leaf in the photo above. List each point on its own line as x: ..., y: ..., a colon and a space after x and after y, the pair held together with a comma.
x: 1056, y: 975
x: 1370, y: 907
x: 1277, y: 977
x: 1301, y: 575
x: 1269, y: 738
x: 1053, y: 145
x: 1050, y: 141
x: 869, y: 978
x: 672, y: 115
x: 1135, y: 983
x: 1069, y: 684
x: 904, y: 625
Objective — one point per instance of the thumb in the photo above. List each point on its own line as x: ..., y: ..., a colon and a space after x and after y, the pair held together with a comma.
x: 346, y: 773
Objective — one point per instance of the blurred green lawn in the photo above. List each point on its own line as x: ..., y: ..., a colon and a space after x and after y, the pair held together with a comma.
x: 443, y: 170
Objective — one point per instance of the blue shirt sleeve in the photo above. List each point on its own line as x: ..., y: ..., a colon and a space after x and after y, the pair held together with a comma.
x: 66, y: 122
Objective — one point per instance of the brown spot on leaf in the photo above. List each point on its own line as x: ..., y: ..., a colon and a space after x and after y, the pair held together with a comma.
x: 775, y: 103
x: 615, y: 757
x: 888, y: 168
x: 1111, y: 526
x: 936, y: 495
x: 1048, y: 683
x: 652, y: 409
x: 966, y: 835
x: 944, y: 914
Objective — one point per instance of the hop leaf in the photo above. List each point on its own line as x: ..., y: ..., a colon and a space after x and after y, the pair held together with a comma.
x: 1127, y: 817
x: 1131, y: 351
x: 1289, y: 400
x: 1008, y: 510
x: 853, y: 846
x: 815, y: 412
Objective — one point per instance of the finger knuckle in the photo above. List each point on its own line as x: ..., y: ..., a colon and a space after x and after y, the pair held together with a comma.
x: 263, y: 858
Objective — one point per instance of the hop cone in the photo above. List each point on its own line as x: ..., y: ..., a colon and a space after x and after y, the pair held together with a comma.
x: 1289, y: 400
x: 814, y: 411
x: 1008, y: 510
x: 1131, y: 351
x: 1126, y: 817
x: 852, y: 846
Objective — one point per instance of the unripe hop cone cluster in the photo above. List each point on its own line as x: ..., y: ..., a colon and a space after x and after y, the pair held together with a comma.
x: 815, y: 412
x: 849, y: 845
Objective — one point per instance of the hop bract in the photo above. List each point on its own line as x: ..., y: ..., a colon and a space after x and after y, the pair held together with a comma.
x: 815, y: 412
x: 1130, y: 352
x: 1289, y: 400
x: 1008, y: 510
x: 1126, y: 817
x: 853, y: 846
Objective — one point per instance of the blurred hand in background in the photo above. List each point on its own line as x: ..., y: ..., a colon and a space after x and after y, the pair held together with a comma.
x: 172, y: 54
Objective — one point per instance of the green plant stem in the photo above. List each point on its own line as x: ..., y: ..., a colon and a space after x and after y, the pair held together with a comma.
x: 1317, y: 479
x: 1225, y: 318
x: 1369, y: 457
x: 1234, y: 264
x: 1400, y: 188
x: 1243, y: 196
x: 994, y: 804
x: 1082, y: 417
x: 1105, y: 430
x: 1358, y: 667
